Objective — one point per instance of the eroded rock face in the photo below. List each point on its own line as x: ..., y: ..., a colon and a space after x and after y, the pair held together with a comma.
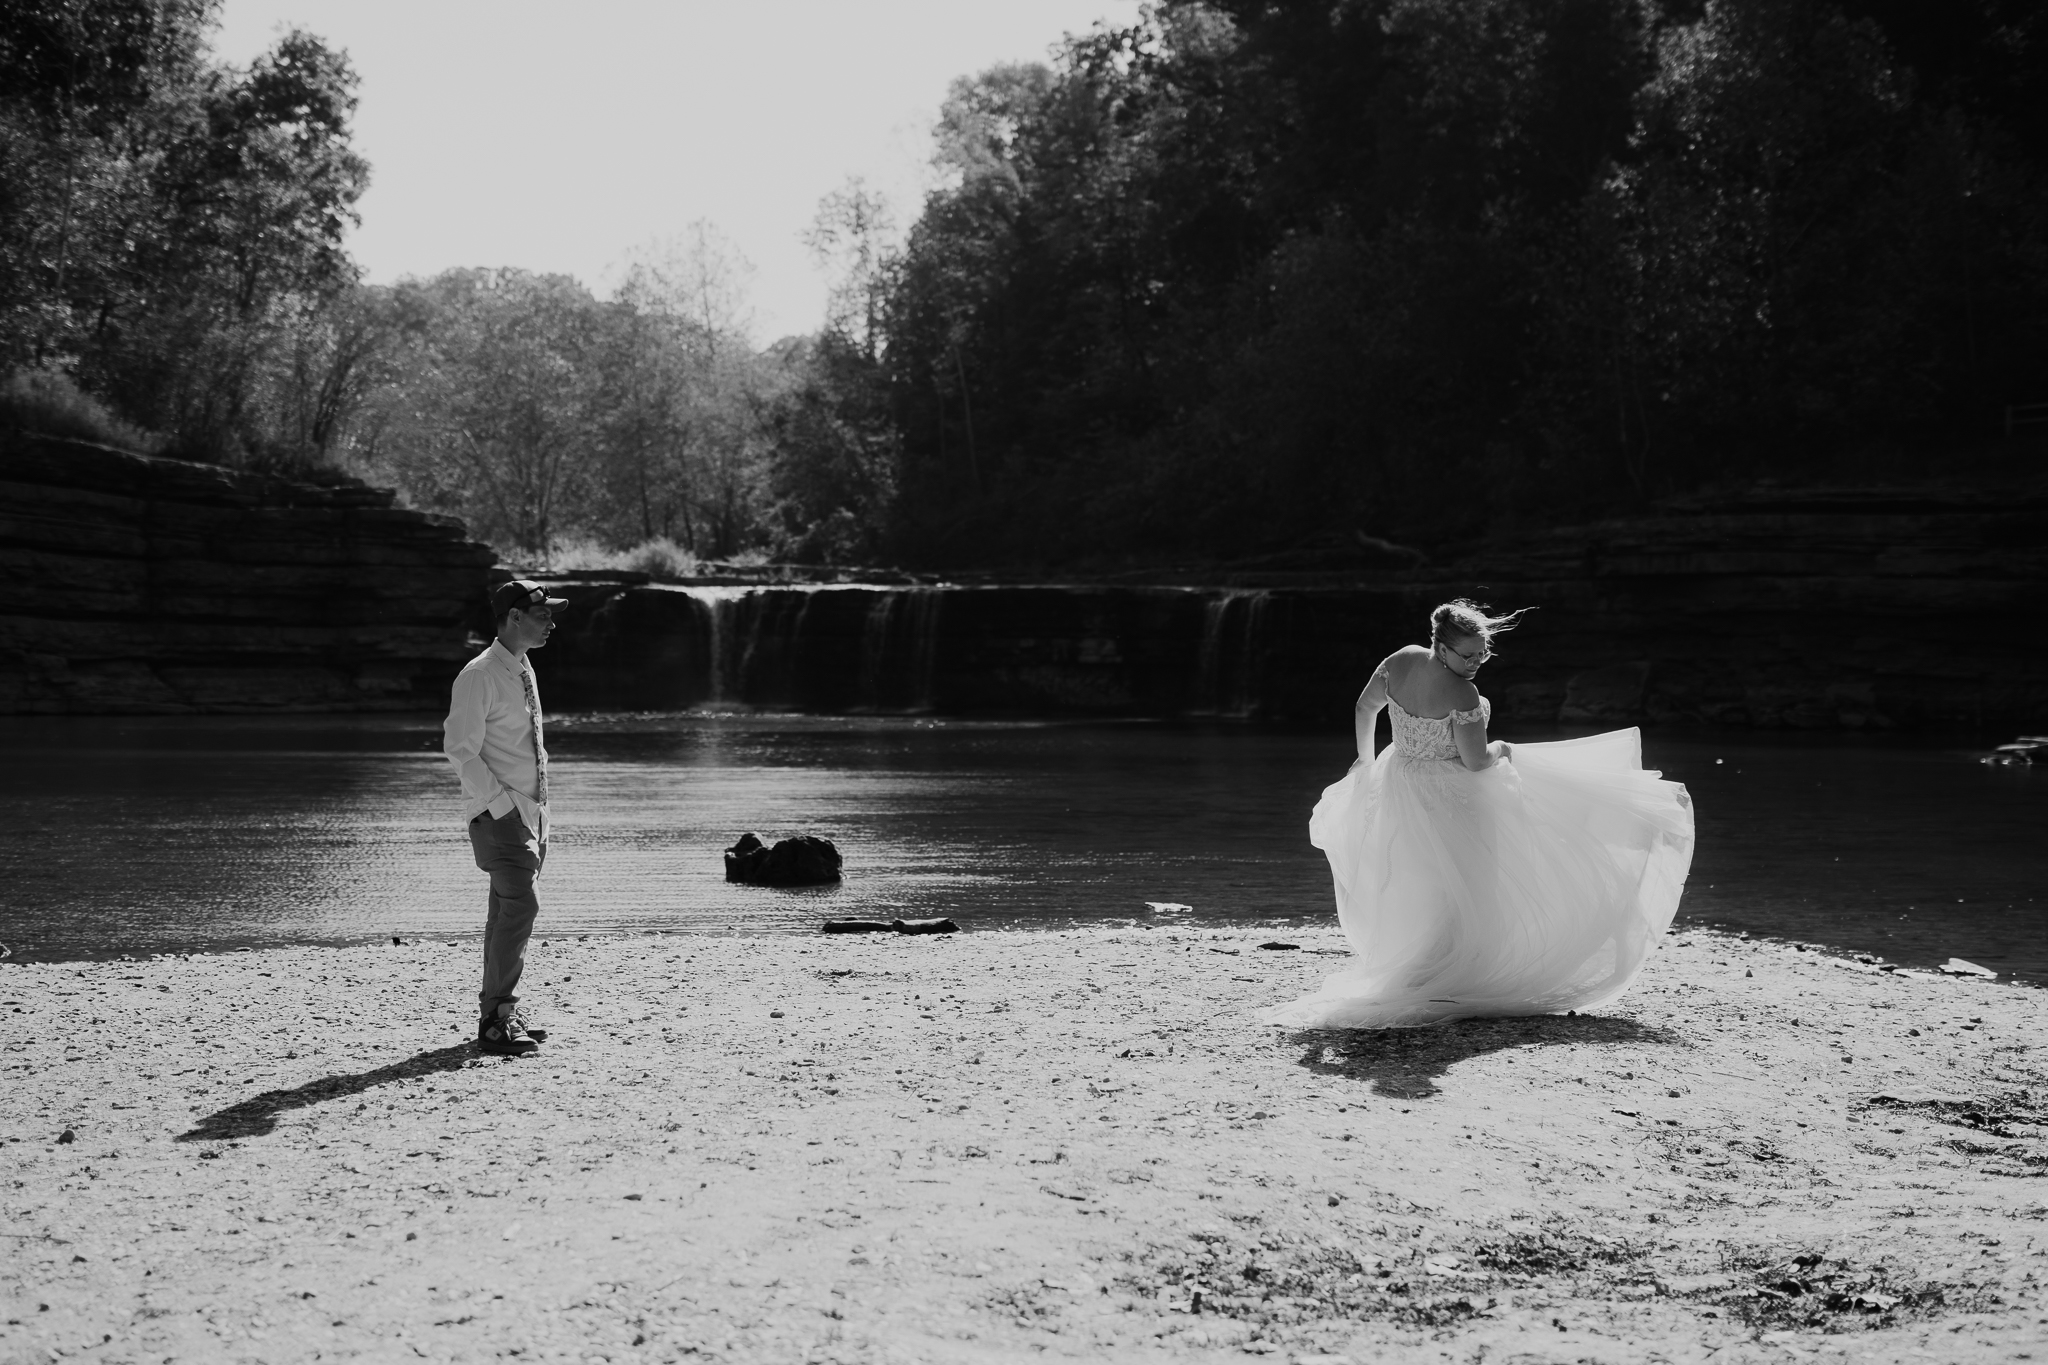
x: 141, y: 585
x: 1851, y: 609
x: 145, y: 585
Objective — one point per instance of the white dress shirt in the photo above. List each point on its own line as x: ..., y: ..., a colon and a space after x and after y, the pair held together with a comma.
x: 489, y: 737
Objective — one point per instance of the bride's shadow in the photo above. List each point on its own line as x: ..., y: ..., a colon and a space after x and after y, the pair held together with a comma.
x: 1405, y: 1063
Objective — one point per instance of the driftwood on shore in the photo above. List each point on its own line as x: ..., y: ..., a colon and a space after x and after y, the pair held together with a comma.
x: 894, y: 926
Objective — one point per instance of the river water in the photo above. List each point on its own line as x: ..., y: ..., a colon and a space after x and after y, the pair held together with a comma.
x: 154, y: 835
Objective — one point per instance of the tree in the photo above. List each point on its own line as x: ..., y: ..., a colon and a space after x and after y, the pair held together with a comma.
x: 1246, y: 274
x: 165, y: 221
x: 834, y: 469
x: 853, y: 239
x: 491, y: 415
x: 541, y: 414
x: 1801, y: 251
x: 680, y: 381
x: 333, y: 361
x: 85, y: 88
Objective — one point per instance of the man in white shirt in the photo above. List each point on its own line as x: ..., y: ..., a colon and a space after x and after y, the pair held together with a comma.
x: 493, y: 737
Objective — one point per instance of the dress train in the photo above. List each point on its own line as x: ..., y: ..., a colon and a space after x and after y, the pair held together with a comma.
x: 1535, y: 886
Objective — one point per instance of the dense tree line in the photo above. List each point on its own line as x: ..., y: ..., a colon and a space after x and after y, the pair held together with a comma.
x: 173, y: 275
x: 639, y: 430
x: 1244, y: 276
x: 1254, y: 272
x: 543, y: 415
x: 171, y: 228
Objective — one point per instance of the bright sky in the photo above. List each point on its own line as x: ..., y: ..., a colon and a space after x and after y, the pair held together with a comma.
x: 554, y: 136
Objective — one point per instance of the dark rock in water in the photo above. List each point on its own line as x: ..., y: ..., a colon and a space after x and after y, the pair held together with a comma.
x: 748, y: 846
x: 803, y: 861
x: 1278, y: 947
x: 857, y: 926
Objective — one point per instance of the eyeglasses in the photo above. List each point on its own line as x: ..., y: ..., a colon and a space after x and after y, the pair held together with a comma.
x: 1484, y: 654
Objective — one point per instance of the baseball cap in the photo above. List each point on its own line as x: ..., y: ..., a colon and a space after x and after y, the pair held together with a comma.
x: 524, y: 594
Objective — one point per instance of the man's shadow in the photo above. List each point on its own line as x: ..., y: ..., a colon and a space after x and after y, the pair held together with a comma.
x: 1404, y: 1063
x: 257, y: 1116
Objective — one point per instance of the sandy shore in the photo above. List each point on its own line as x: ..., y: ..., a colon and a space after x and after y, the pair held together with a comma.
x: 1010, y: 1147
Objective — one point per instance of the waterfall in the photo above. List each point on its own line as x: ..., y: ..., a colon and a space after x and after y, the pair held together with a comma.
x: 1208, y: 660
x: 899, y: 649
x: 840, y: 648
x: 767, y: 666
x: 714, y: 609
x: 791, y: 690
x: 1227, y: 661
x: 1245, y: 694
x: 924, y: 645
x: 748, y: 644
x: 874, y: 649
x: 721, y: 644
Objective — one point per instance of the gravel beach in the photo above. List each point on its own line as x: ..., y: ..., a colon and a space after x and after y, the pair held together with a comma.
x: 1010, y: 1146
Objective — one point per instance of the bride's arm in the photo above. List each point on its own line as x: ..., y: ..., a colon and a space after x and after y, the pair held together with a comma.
x: 1365, y: 716
x: 1473, y: 750
x: 1470, y: 735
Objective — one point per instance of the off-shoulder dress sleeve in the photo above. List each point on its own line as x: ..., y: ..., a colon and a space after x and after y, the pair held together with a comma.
x: 1476, y: 716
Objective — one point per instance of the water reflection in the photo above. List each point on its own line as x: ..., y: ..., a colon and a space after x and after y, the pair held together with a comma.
x: 149, y: 835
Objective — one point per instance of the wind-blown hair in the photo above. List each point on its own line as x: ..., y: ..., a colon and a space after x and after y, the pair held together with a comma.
x: 1464, y: 619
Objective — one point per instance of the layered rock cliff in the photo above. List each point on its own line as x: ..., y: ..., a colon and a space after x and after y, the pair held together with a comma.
x: 1813, y: 608
x: 142, y: 585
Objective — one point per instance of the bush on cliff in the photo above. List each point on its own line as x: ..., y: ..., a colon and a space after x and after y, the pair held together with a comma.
x: 659, y: 557
x: 49, y: 403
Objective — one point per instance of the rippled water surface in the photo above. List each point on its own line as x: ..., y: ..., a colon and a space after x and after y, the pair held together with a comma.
x: 160, y: 834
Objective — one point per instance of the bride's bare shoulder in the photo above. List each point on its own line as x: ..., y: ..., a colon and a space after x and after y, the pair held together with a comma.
x: 1404, y: 658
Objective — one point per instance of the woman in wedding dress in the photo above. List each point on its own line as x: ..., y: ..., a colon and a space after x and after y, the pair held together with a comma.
x: 1478, y: 878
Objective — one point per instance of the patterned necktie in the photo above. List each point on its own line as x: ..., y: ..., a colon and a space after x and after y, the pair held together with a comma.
x: 540, y: 750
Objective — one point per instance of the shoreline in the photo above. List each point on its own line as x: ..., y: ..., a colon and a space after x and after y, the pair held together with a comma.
x: 1006, y: 1146
x: 1848, y: 955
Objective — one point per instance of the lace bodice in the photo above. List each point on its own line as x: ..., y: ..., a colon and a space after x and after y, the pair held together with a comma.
x: 1423, y: 737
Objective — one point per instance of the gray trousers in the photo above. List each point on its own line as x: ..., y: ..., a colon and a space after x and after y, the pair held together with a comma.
x: 508, y: 851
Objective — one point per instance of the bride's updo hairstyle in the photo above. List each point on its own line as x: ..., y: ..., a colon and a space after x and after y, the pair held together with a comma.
x: 1462, y: 619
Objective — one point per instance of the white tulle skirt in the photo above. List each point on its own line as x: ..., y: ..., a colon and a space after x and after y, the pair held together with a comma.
x: 1535, y: 886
